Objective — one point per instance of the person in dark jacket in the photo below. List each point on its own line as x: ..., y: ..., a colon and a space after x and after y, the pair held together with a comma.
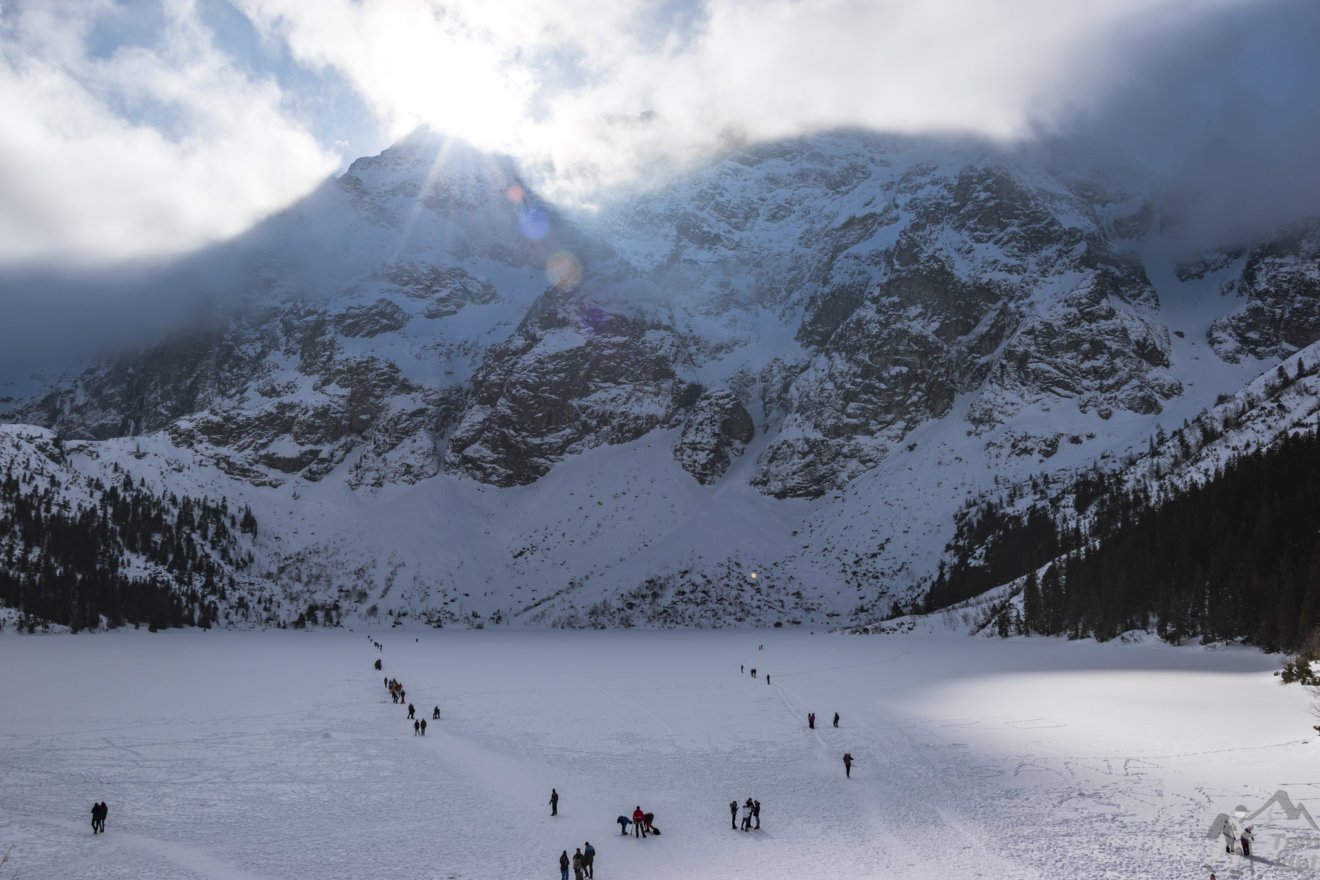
x: 577, y: 864
x: 811, y: 720
x: 733, y: 815
x: 435, y: 714
x: 96, y: 818
x: 417, y: 728
x: 554, y: 803
x: 411, y: 711
x: 624, y: 822
x: 423, y: 723
x: 836, y: 719
x: 589, y: 860
x: 756, y: 814
x: 563, y: 865
x: 847, y: 764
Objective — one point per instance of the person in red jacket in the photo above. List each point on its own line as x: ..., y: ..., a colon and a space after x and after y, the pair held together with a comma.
x: 639, y: 822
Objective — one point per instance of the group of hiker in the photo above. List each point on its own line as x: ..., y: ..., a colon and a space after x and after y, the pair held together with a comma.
x: 1236, y: 842
x: 583, y: 862
x: 99, y: 812
x: 643, y: 823
x: 751, y: 811
x: 399, y: 695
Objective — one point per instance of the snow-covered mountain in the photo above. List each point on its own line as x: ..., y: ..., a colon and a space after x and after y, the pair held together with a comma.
x: 443, y: 398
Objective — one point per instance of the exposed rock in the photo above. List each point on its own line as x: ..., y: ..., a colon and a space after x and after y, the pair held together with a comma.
x: 717, y: 429
x: 1281, y: 283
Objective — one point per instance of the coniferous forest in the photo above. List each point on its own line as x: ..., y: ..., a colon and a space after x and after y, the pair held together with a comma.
x: 127, y: 556
x: 1236, y: 557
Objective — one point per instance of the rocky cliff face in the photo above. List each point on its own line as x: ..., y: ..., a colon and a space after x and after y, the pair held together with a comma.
x: 1280, y: 282
x: 584, y: 406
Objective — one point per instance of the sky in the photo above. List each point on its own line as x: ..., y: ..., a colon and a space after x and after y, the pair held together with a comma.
x: 145, y: 128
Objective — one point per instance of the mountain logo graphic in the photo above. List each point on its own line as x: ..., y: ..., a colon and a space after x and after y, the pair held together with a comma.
x: 1281, y: 832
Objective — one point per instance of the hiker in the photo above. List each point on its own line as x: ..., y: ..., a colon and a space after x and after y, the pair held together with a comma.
x: 394, y: 696
x: 589, y: 860
x: 577, y: 864
x: 624, y: 822
x: 847, y: 764
x: 747, y: 815
x: 417, y: 728
x: 1230, y: 837
x: 649, y: 819
x: 435, y: 714
x: 563, y: 865
x: 767, y: 678
x: 756, y: 814
x: 423, y: 723
x: 378, y: 664
x: 411, y: 711
x: 639, y: 822
x: 811, y: 720
x: 741, y: 670
x: 733, y: 815
x: 836, y: 719
x: 96, y: 818
x: 753, y: 672
x: 554, y: 802
x: 1248, y: 836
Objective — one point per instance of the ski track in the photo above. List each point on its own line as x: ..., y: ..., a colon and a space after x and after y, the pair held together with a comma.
x: 256, y: 756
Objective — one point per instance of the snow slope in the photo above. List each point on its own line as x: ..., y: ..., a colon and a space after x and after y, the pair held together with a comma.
x: 279, y: 755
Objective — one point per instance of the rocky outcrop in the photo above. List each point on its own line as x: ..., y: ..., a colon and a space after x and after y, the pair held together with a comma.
x: 1281, y: 284
x: 572, y: 376
x: 717, y: 429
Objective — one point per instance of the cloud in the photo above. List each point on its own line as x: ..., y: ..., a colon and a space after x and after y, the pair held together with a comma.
x: 1225, y: 110
x: 567, y: 85
x: 135, y: 136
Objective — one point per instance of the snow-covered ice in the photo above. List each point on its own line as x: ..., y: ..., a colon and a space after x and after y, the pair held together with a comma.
x: 279, y: 755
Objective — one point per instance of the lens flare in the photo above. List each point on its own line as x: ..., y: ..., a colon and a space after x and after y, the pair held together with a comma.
x: 564, y: 270
x: 533, y: 223
x: 514, y: 193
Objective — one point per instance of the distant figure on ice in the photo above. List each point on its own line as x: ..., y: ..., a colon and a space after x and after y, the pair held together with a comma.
x: 423, y: 723
x: 649, y: 819
x: 847, y: 764
x: 756, y: 814
x: 639, y: 822
x: 378, y: 664
x: 741, y: 670
x: 411, y: 711
x: 753, y: 672
x: 417, y: 728
x: 624, y: 822
x: 836, y: 719
x: 1248, y: 835
x: 747, y: 815
x: 554, y: 802
x: 435, y: 714
x: 99, y: 811
x: 811, y: 720
x: 563, y: 865
x: 589, y: 860
x: 1230, y: 837
x: 767, y: 678
x: 577, y: 864
x: 733, y: 815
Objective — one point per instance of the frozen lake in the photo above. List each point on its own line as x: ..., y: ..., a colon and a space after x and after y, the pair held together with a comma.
x: 280, y: 755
